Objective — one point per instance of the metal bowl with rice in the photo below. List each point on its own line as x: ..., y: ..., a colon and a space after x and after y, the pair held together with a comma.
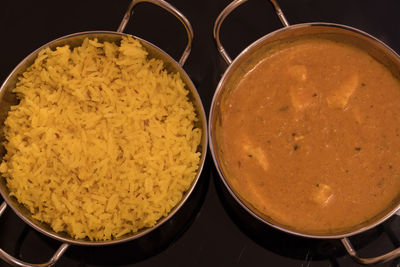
x: 74, y: 40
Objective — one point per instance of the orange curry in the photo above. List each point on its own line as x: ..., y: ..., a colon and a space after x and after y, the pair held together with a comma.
x: 311, y: 136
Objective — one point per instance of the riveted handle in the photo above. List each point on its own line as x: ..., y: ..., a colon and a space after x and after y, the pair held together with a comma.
x: 228, y: 9
x: 379, y: 259
x: 168, y: 7
x: 16, y: 262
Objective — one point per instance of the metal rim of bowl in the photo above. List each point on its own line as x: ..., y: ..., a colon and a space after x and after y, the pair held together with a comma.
x: 170, y: 64
x: 220, y: 90
x: 199, y: 109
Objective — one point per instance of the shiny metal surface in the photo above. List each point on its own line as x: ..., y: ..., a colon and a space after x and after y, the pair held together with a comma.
x: 366, y: 261
x: 74, y: 40
x: 7, y: 99
x: 227, y: 10
x: 3, y: 208
x: 173, y: 11
x: 279, y: 13
x: 247, y: 59
x: 16, y: 262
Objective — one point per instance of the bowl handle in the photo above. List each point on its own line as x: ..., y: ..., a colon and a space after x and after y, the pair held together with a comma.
x: 168, y: 7
x: 228, y: 9
x: 380, y: 259
x: 16, y: 262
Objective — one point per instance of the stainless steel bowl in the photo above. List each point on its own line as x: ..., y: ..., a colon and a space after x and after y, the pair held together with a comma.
x: 7, y: 98
x: 246, y: 60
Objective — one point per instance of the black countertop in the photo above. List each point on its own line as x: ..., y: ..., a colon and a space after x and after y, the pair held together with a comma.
x: 210, y: 229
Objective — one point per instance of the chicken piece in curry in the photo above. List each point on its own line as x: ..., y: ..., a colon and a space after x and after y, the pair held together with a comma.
x: 311, y: 136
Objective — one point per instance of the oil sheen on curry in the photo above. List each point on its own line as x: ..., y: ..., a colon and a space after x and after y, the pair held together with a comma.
x: 311, y: 136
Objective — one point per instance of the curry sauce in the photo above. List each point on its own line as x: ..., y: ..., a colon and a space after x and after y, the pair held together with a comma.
x: 311, y: 136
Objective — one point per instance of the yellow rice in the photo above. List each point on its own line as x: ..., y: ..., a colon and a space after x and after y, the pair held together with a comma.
x: 103, y: 142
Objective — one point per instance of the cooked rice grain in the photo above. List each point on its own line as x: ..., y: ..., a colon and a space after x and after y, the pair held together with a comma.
x: 102, y: 142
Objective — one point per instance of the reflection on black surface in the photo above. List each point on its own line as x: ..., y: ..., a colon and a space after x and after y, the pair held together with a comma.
x: 124, y: 253
x: 296, y: 247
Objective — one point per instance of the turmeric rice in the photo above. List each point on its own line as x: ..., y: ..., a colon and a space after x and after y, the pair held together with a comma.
x: 103, y: 141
